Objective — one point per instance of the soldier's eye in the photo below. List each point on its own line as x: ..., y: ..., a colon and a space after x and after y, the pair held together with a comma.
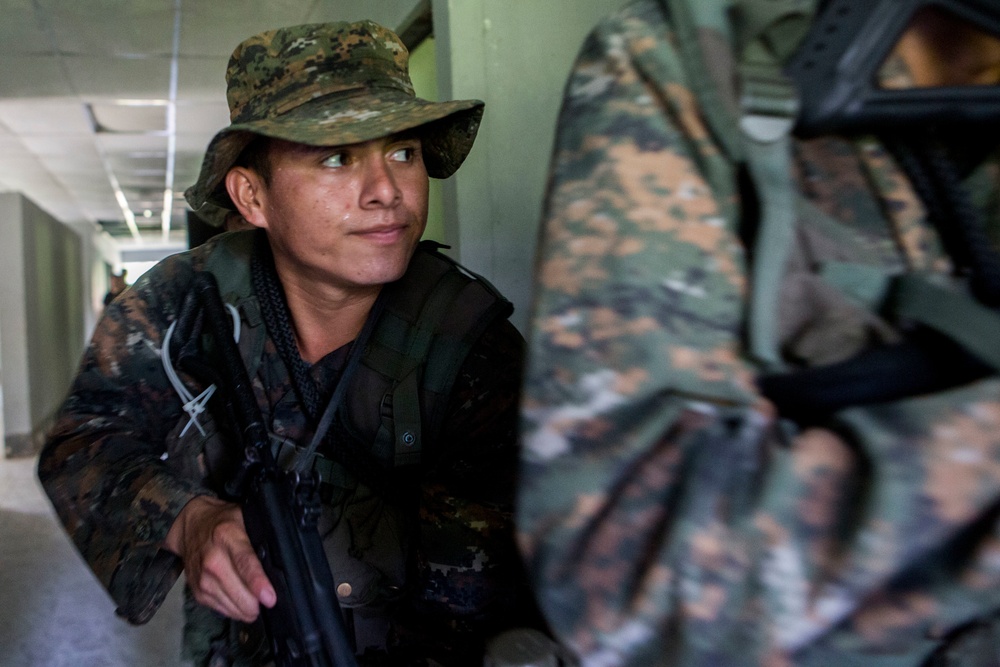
x: 335, y: 160
x: 403, y: 154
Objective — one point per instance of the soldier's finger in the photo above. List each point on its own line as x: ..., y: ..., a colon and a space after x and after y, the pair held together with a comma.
x: 252, y: 573
x: 216, y: 594
x: 245, y: 603
x: 220, y: 579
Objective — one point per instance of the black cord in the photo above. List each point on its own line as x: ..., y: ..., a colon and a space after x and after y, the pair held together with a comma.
x: 277, y: 320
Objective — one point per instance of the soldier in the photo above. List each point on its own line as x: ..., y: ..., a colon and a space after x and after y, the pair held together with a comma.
x: 327, y: 157
x: 736, y: 449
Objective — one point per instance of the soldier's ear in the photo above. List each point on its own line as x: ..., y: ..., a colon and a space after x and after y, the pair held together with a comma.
x: 246, y: 189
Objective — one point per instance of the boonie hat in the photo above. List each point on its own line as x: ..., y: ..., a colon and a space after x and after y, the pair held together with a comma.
x: 329, y: 84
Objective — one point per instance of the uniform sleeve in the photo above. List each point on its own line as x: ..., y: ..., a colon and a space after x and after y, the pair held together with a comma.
x: 105, y: 465
x: 665, y: 516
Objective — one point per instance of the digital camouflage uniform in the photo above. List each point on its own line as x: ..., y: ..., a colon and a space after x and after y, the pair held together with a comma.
x: 118, y: 474
x: 427, y: 548
x: 667, y: 517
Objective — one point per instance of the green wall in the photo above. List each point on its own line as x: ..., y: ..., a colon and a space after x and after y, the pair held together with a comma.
x: 42, y: 318
x: 53, y: 285
x: 514, y: 55
x: 423, y: 73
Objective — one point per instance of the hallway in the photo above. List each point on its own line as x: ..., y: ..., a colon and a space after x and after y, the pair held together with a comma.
x: 53, y: 613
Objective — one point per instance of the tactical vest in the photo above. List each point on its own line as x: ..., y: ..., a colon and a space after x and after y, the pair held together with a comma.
x: 393, y: 412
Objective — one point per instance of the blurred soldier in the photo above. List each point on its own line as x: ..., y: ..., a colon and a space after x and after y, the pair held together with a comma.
x: 327, y: 157
x: 761, y: 422
x: 118, y: 283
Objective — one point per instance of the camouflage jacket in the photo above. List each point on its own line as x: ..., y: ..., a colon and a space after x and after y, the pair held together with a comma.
x: 118, y: 475
x: 667, y: 516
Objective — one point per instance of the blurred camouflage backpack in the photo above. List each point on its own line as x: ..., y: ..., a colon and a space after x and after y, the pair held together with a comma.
x: 753, y: 122
x: 814, y: 75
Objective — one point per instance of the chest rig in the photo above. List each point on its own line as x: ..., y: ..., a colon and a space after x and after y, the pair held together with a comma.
x: 430, y: 319
x: 392, y: 414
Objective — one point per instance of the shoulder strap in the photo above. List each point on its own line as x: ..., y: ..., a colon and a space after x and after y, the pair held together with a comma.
x: 433, y: 317
x: 229, y: 262
x: 763, y: 34
x: 769, y: 106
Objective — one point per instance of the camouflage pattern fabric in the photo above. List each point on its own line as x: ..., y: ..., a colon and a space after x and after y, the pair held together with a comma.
x: 118, y: 476
x: 667, y: 516
x: 329, y: 84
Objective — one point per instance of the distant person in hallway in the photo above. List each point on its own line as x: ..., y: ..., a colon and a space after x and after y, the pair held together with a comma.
x: 327, y: 157
x: 117, y: 286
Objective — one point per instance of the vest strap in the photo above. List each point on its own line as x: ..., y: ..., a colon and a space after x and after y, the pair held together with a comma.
x: 230, y: 264
x: 955, y: 314
x: 407, y: 432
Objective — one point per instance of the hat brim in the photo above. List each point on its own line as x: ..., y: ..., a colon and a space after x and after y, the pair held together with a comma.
x: 447, y: 131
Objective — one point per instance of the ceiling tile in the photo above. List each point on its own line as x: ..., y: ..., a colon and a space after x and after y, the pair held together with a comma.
x: 45, y: 117
x: 68, y: 151
x: 136, y: 27
x: 130, y: 143
x: 202, y: 78
x: 135, y: 118
x: 22, y: 30
x: 203, y: 118
x: 120, y: 78
x: 32, y: 76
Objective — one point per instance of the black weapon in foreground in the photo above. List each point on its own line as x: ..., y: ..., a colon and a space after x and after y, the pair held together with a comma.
x: 835, y: 70
x: 280, y: 508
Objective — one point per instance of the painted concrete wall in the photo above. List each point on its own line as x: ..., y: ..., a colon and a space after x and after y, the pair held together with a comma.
x: 423, y: 73
x: 42, y: 319
x: 515, y: 55
x: 13, y: 322
x: 55, y: 296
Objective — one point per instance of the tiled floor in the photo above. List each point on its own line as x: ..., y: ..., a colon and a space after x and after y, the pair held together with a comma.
x: 53, y: 613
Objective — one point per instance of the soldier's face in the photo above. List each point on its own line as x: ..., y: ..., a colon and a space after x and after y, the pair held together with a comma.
x: 346, y: 216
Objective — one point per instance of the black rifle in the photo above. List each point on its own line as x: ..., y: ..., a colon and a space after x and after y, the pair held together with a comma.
x: 280, y: 508
x: 835, y: 71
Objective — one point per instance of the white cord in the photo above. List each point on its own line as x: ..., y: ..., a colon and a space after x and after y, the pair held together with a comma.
x: 193, y: 405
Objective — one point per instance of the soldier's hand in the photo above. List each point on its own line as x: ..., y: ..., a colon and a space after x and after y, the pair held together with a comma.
x: 220, y: 565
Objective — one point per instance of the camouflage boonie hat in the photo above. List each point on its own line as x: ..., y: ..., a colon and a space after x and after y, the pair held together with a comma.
x: 329, y: 84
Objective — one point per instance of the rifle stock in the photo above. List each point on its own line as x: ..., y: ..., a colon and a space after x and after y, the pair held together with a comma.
x: 280, y: 509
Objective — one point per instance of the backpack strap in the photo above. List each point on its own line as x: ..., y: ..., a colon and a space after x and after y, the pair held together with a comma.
x: 766, y: 106
x: 769, y: 162
x: 767, y: 32
x: 957, y: 315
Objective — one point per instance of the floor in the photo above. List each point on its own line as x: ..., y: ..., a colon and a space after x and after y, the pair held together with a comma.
x: 53, y: 613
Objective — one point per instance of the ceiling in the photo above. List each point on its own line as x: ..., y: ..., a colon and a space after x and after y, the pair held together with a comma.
x: 107, y: 106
